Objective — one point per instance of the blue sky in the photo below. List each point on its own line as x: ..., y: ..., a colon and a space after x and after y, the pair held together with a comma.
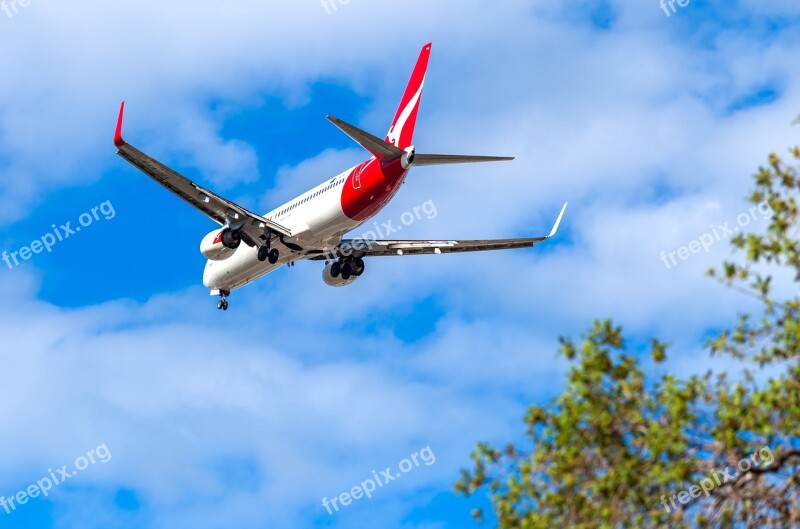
x: 650, y: 126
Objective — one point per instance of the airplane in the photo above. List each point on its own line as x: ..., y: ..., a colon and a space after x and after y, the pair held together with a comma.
x: 313, y: 225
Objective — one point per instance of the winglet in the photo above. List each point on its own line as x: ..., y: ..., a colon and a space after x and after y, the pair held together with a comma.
x: 558, y: 221
x: 118, y: 141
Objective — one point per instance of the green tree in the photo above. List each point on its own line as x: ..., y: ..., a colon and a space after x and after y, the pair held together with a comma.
x: 618, y: 448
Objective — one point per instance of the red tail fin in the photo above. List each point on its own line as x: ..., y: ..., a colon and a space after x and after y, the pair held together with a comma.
x: 402, y: 130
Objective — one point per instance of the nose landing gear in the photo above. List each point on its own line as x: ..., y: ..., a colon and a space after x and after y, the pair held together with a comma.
x: 223, y: 300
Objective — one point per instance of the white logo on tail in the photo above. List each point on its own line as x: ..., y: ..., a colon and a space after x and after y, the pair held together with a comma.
x: 394, y: 135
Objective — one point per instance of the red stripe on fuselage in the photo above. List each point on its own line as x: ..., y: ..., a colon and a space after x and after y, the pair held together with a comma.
x: 377, y: 183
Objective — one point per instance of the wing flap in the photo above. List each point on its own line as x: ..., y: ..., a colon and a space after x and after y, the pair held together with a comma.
x: 378, y: 248
x: 388, y: 248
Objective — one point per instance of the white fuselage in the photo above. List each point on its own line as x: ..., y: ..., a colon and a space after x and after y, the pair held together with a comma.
x: 316, y: 220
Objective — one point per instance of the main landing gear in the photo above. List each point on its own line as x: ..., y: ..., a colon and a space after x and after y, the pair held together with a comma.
x: 348, y: 267
x: 223, y: 300
x: 265, y: 253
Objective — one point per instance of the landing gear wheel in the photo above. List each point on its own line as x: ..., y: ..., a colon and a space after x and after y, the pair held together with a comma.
x: 223, y: 300
x: 347, y: 271
x: 273, y: 256
x: 263, y: 253
x: 336, y: 269
x: 358, y: 266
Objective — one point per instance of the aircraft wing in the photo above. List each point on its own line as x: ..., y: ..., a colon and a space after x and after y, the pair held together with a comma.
x: 368, y: 248
x: 254, y: 227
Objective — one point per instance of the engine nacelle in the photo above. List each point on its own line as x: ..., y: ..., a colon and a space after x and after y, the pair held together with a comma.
x: 337, y: 281
x: 219, y: 245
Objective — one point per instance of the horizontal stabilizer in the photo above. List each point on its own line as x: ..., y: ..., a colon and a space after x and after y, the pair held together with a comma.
x: 382, y: 150
x: 386, y: 152
x: 446, y: 159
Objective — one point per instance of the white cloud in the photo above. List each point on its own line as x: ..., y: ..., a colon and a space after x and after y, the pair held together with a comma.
x: 308, y: 384
x: 174, y: 399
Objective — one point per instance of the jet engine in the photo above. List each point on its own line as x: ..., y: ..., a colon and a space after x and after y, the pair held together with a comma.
x: 221, y: 244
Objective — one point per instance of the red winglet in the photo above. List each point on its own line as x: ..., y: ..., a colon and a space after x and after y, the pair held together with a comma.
x: 118, y: 141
